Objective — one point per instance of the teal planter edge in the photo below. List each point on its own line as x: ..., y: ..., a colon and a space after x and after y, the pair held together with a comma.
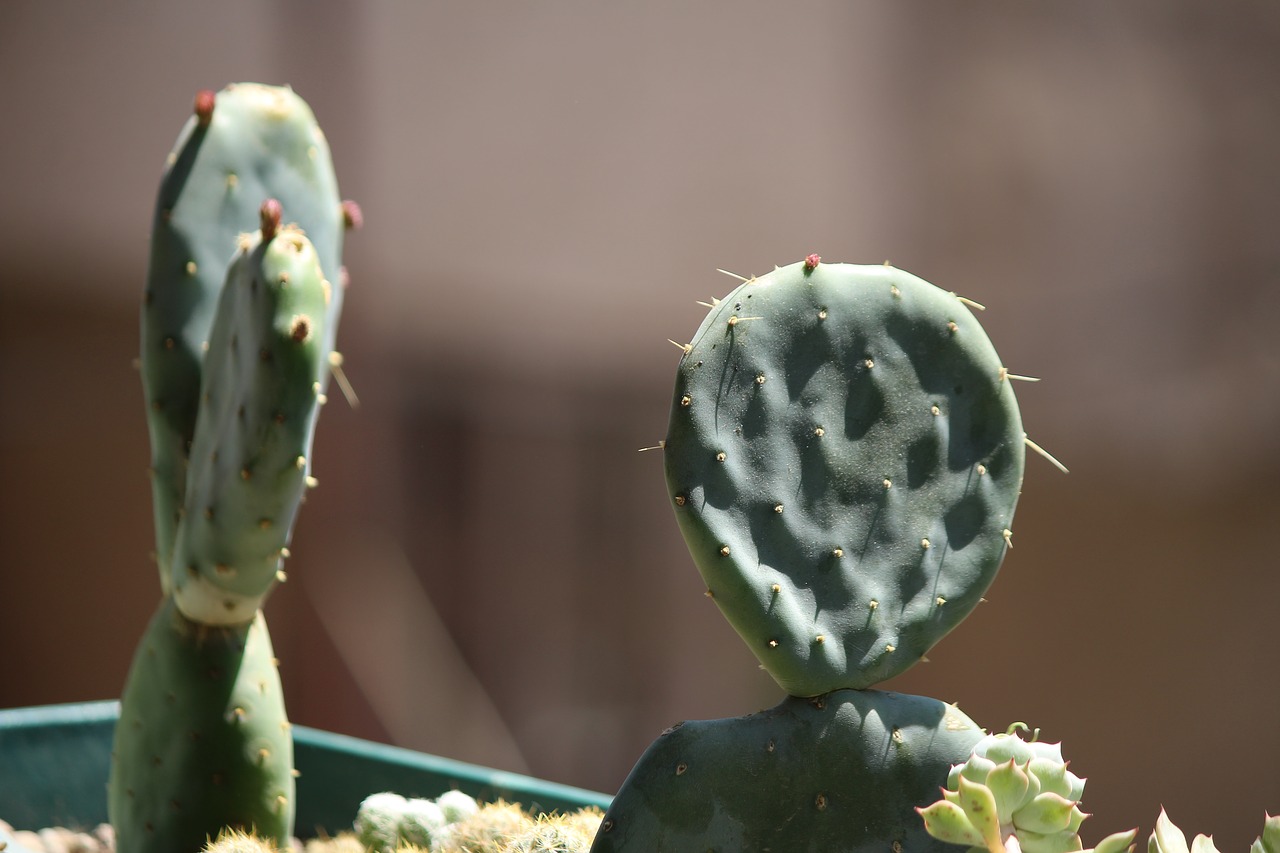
x: 54, y: 761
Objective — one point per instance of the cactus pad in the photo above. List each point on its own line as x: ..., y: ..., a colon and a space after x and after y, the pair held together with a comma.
x: 243, y: 145
x: 843, y: 771
x: 259, y: 402
x: 203, y: 741
x: 844, y: 455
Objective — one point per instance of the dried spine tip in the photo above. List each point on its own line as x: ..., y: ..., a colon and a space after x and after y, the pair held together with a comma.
x: 940, y: 600
x: 870, y: 363
x: 778, y: 509
x: 760, y: 379
x: 926, y: 544
x: 890, y: 648
x: 686, y: 400
x: 982, y: 469
x: 681, y: 500
x: 811, y: 262
x: 777, y: 588
x: 952, y: 327
x: 888, y: 483
x: 822, y: 313
x: 724, y: 550
x: 819, y: 432
x: 773, y: 644
x: 270, y: 215
x: 684, y: 348
x: 720, y: 457
x: 873, y: 604
x: 352, y: 215
x: 837, y: 553
x: 205, y: 100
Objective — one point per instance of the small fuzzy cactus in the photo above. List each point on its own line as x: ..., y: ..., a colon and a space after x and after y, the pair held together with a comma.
x: 456, y: 823
x: 1014, y: 796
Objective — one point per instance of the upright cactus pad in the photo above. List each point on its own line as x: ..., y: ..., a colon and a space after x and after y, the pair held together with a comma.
x: 841, y: 772
x: 202, y: 742
x: 259, y: 401
x: 844, y: 456
x: 245, y: 144
x: 238, y: 324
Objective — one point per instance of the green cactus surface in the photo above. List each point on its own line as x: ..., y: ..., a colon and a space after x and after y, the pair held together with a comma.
x: 844, y: 771
x: 203, y: 742
x: 844, y: 456
x: 259, y: 401
x: 245, y: 144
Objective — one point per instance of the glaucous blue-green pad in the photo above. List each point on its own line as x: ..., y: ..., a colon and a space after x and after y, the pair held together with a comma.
x: 203, y: 741
x: 249, y: 143
x: 260, y: 398
x: 844, y: 456
x: 840, y: 772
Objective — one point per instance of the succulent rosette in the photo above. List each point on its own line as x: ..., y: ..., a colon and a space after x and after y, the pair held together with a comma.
x: 1014, y: 796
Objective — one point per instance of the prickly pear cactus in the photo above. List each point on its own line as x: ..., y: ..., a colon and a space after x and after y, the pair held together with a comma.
x: 840, y: 772
x: 204, y: 742
x: 243, y: 145
x: 844, y: 456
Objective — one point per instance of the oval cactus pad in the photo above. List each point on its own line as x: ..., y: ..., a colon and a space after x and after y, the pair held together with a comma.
x: 844, y: 456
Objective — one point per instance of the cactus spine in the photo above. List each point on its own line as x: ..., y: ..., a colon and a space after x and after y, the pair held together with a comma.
x: 238, y: 324
x: 844, y: 456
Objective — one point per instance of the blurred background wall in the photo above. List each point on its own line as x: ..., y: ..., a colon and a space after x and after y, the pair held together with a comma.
x: 489, y: 569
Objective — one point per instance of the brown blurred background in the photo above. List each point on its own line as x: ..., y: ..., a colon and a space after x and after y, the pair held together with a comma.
x: 489, y: 570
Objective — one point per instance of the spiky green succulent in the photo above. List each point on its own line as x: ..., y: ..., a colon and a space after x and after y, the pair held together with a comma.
x: 1014, y: 795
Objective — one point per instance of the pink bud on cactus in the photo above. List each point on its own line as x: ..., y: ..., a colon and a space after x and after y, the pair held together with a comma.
x: 352, y: 216
x: 204, y: 106
x: 270, y: 214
